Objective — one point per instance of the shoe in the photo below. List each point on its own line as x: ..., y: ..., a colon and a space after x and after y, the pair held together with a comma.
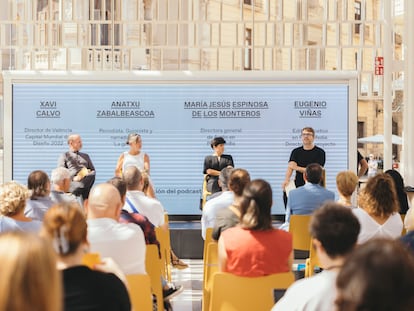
x: 172, y: 291
x: 177, y: 263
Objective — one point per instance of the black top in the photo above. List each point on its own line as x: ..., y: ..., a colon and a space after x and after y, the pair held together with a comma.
x: 213, y: 162
x: 91, y: 290
x: 303, y: 158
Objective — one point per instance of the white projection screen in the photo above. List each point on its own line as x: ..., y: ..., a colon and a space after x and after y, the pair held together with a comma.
x: 260, y: 115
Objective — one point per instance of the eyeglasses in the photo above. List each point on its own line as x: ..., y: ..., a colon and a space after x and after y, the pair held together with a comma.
x: 307, y: 134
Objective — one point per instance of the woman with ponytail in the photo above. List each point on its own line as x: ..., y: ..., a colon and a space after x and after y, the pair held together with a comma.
x: 97, y: 288
x: 254, y: 248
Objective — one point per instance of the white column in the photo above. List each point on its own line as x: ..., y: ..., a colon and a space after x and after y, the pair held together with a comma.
x: 408, y: 124
x: 388, y: 61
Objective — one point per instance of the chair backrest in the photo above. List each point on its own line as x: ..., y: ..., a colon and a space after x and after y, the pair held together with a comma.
x: 163, y: 237
x: 209, y: 268
x: 153, y: 266
x: 312, y: 262
x: 209, y: 238
x: 139, y: 288
x: 299, y: 228
x: 235, y: 293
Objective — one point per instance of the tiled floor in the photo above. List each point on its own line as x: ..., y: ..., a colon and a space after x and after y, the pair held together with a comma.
x: 192, y: 280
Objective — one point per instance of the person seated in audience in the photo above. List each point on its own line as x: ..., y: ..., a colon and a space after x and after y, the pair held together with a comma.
x: 334, y: 232
x: 39, y: 202
x: 60, y: 179
x: 304, y: 200
x: 125, y: 243
x: 214, y: 205
x: 29, y: 279
x: 13, y: 198
x: 400, y: 189
x: 230, y: 216
x: 408, y: 238
x: 346, y: 183
x: 377, y: 276
x: 255, y: 248
x: 377, y: 209
x: 99, y: 288
x: 169, y: 290
x: 138, y: 202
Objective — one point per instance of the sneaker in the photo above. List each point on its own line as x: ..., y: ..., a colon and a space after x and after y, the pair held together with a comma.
x: 172, y: 291
x: 179, y: 264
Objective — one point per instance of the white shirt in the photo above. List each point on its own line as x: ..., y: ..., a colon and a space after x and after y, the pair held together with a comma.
x: 125, y: 243
x: 310, y: 294
x: 370, y: 229
x: 211, y: 208
x: 146, y: 206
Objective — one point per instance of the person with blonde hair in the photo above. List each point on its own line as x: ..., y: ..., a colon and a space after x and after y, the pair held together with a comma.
x: 13, y: 198
x: 84, y: 288
x: 29, y: 279
x: 346, y: 183
x: 378, y: 209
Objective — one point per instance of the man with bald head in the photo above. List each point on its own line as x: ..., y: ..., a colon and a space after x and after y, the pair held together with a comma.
x: 82, y: 171
x: 125, y: 243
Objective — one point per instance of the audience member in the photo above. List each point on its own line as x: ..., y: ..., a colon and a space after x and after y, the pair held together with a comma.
x: 60, y: 179
x: 29, y: 279
x: 255, y: 248
x: 346, y: 183
x: 225, y: 199
x: 408, y: 238
x: 214, y: 163
x: 169, y: 290
x: 334, y: 232
x: 378, y: 209
x: 136, y: 157
x: 400, y: 189
x: 138, y: 202
x: 84, y: 288
x: 230, y: 216
x: 362, y: 165
x: 13, y: 198
x: 304, y: 200
x: 125, y: 243
x: 82, y: 171
x: 377, y: 276
x: 39, y: 202
x: 372, y: 166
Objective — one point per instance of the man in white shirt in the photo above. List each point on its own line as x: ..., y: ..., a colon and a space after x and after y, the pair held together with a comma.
x: 335, y: 232
x: 125, y: 243
x: 137, y: 201
x: 225, y: 199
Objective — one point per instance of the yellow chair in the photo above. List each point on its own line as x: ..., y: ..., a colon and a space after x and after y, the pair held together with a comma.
x: 209, y: 238
x: 153, y: 266
x: 404, y: 230
x: 205, y: 193
x: 299, y: 228
x: 209, y: 268
x: 312, y: 262
x: 235, y: 293
x: 139, y: 288
x: 165, y: 250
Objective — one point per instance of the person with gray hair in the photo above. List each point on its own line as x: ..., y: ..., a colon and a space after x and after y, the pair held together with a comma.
x: 60, y: 180
x: 217, y: 203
